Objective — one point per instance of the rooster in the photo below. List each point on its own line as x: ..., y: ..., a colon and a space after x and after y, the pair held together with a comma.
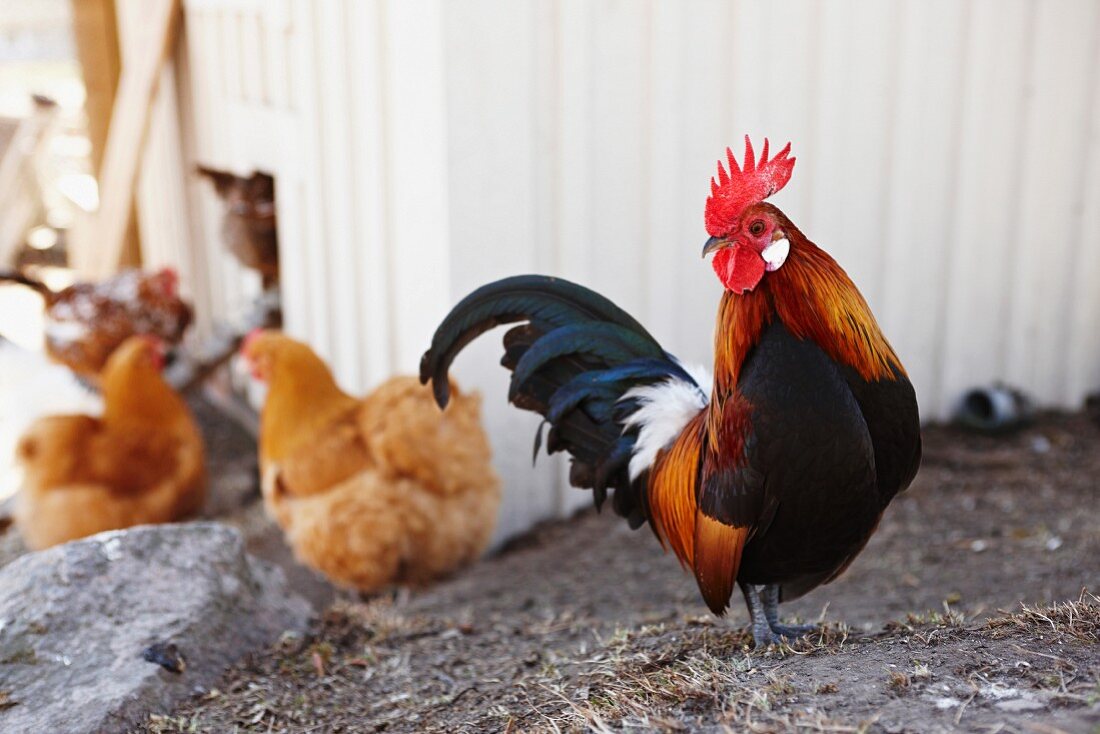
x: 370, y: 491
x: 770, y: 476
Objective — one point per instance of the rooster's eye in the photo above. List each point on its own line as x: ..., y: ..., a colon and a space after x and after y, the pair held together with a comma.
x: 757, y: 228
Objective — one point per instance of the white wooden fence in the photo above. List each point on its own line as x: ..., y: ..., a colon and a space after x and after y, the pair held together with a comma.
x: 948, y: 155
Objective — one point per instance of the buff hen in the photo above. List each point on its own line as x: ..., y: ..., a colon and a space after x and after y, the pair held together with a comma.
x: 141, y: 463
x: 371, y: 492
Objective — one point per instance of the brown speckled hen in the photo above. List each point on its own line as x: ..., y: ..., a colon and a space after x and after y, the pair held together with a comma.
x: 87, y: 322
x: 249, y: 227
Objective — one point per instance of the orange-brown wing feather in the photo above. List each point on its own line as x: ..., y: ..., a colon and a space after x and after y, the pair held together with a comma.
x: 718, y: 549
x: 711, y: 547
x: 671, y: 494
x: 333, y: 455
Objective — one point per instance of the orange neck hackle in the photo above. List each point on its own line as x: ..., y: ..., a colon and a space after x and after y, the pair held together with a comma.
x: 302, y: 392
x: 134, y: 392
x: 815, y: 299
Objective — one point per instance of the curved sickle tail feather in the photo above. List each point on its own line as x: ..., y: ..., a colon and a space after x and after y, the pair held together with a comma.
x: 591, y: 371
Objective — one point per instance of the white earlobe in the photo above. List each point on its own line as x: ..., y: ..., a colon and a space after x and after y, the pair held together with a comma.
x: 775, y: 254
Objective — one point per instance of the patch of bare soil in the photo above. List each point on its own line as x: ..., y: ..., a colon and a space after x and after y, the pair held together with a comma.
x: 586, y: 625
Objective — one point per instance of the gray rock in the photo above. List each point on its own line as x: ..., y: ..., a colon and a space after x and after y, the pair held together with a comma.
x: 91, y: 631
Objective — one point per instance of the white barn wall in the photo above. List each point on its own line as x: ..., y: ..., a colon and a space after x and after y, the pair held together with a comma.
x: 949, y: 157
x: 944, y: 159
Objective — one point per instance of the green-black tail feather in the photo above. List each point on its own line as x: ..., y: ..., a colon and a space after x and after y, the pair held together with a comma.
x: 572, y: 361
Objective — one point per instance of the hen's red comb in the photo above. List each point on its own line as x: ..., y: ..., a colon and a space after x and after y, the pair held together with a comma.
x: 169, y: 279
x: 744, y: 185
x: 156, y: 347
x: 250, y: 339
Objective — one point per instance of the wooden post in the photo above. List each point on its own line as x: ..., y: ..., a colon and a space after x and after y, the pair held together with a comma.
x: 95, y: 27
x: 103, y: 239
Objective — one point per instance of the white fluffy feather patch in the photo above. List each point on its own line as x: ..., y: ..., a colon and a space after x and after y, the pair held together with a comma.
x: 666, y: 407
x: 775, y: 254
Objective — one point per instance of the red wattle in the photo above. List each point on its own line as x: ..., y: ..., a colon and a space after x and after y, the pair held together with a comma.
x: 739, y: 268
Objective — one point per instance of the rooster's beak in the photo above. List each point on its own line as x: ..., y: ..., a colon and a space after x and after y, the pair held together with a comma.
x: 713, y: 244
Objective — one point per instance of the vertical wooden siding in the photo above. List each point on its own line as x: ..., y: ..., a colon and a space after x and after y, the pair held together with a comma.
x: 949, y: 157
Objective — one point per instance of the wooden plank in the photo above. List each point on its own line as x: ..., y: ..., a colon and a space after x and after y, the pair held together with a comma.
x: 161, y: 203
x: 126, y: 139
x: 1048, y: 210
x: 1083, y: 347
x: 19, y: 189
x: 989, y: 133
x: 705, y: 99
x: 919, y: 242
x: 275, y: 30
x: 198, y: 217
x: 212, y: 146
x: 341, y: 245
x: 253, y: 82
x: 312, y: 286
x: 790, y: 85
x: 850, y: 167
x: 619, y: 238
x: 748, y: 42
x: 573, y: 200
x: 95, y: 30
x: 367, y: 157
x: 545, y: 109
x: 419, y: 205
x: 292, y: 186
x: 666, y: 252
x: 491, y: 98
x: 491, y: 143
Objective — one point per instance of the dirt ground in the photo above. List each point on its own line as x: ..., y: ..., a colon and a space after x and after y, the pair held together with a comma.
x: 586, y: 625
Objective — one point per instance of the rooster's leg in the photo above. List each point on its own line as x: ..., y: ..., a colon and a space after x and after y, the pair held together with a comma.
x: 762, y: 634
x: 770, y: 599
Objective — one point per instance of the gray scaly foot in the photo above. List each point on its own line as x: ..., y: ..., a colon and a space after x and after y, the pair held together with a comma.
x: 762, y: 634
x: 770, y: 602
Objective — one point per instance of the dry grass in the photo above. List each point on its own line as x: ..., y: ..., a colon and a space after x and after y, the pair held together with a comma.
x: 1078, y: 619
x: 679, y: 675
x: 652, y: 677
x: 673, y: 677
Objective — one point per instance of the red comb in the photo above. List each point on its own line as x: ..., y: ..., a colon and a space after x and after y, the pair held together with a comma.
x: 156, y: 347
x: 246, y: 343
x: 744, y: 185
x: 170, y: 280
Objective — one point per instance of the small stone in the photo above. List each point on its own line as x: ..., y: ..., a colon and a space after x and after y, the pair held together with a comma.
x: 1020, y: 704
x: 166, y: 655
